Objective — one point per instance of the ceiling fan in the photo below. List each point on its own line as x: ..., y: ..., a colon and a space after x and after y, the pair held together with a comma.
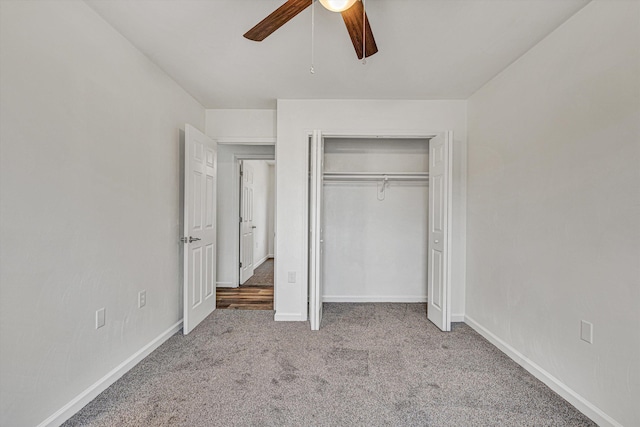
x: 352, y: 12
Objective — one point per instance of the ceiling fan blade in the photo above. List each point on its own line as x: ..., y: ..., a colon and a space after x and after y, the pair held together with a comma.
x: 353, y: 20
x: 277, y: 19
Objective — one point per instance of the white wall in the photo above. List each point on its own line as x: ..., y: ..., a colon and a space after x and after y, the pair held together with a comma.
x: 228, y: 239
x: 241, y: 125
x: 554, y: 208
x: 261, y: 198
x: 375, y: 250
x: 295, y: 119
x: 89, y: 213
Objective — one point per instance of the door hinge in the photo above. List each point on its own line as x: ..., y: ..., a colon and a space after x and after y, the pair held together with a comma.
x: 240, y: 264
x: 241, y: 219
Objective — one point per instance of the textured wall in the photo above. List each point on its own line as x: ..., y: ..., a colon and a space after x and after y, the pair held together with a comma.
x: 554, y: 206
x: 89, y: 213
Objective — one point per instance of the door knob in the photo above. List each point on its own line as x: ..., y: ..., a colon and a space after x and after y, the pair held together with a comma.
x: 253, y: 226
x: 189, y: 239
x: 437, y: 241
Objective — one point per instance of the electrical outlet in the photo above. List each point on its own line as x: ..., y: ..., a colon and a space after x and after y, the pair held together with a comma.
x: 100, y: 318
x: 291, y: 277
x: 586, y: 331
x: 142, y: 299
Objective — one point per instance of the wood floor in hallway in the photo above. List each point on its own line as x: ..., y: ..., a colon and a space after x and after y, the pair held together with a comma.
x: 255, y: 294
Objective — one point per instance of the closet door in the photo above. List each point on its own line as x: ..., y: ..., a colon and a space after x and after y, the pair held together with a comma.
x: 316, y: 154
x: 439, y: 262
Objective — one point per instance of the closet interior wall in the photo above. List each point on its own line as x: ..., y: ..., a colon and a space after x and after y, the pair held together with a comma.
x: 375, y: 232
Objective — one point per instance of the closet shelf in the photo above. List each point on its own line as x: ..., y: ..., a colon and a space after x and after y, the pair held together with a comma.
x: 375, y: 176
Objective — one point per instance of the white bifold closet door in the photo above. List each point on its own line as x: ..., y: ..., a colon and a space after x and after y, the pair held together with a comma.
x: 315, y: 229
x: 439, y: 261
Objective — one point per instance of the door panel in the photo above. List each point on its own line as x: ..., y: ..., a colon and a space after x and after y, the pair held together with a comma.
x: 210, y: 268
x: 315, y: 230
x: 439, y: 260
x: 246, y: 226
x: 196, y: 282
x: 199, y: 227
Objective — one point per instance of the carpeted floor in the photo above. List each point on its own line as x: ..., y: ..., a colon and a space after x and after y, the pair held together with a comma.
x: 369, y: 365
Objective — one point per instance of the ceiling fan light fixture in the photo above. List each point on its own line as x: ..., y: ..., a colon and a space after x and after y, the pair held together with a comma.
x: 337, y: 5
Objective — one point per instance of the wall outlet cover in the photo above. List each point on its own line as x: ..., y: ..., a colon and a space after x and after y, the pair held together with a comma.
x: 100, y: 318
x: 586, y: 331
x: 142, y: 299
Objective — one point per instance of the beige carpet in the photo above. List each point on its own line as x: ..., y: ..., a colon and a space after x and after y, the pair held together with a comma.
x: 369, y: 365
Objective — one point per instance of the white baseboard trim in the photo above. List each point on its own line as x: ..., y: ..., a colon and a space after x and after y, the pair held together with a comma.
x: 374, y: 298
x: 271, y: 256
x: 259, y: 263
x: 582, y: 404
x: 225, y: 285
x: 77, y: 403
x: 289, y: 317
x: 457, y: 317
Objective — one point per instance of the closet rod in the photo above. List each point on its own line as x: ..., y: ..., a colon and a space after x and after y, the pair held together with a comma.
x: 366, y: 176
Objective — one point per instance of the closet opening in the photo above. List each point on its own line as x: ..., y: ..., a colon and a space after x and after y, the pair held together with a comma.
x: 373, y: 235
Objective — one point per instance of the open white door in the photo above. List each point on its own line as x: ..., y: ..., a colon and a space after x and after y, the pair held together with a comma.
x: 316, y: 154
x: 439, y: 263
x: 200, y: 164
x: 246, y: 222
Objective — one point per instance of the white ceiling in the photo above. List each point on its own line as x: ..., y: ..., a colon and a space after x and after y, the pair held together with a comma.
x: 428, y: 49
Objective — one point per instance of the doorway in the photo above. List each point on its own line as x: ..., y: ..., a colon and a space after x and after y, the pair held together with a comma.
x: 255, y: 234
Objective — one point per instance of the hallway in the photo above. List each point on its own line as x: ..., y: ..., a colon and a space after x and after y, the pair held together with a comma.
x: 255, y: 294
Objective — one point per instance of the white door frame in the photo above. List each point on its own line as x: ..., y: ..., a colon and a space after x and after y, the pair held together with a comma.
x: 236, y: 206
x: 381, y: 135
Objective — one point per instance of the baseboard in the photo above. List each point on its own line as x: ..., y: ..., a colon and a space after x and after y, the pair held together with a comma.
x: 457, y: 317
x: 289, y: 317
x: 225, y: 285
x: 259, y: 263
x: 582, y: 404
x: 68, y: 410
x: 374, y: 298
x: 271, y: 256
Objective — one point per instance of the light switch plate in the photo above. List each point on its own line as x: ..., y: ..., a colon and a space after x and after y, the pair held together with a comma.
x: 291, y: 277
